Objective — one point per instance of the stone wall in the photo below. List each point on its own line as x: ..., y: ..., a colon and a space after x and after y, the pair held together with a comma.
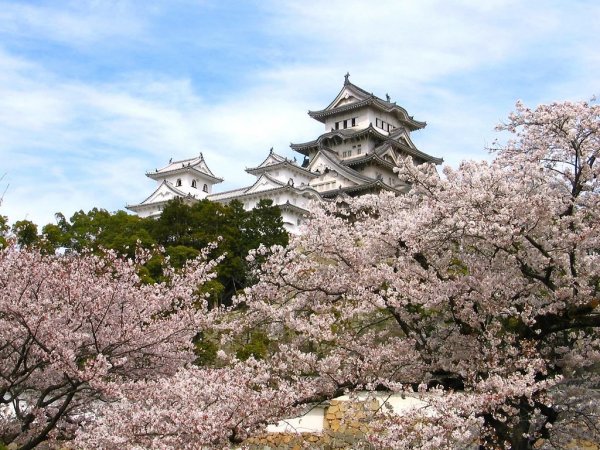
x: 344, y: 426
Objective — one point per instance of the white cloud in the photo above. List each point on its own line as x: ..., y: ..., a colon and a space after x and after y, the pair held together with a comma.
x: 74, y: 23
x: 70, y: 145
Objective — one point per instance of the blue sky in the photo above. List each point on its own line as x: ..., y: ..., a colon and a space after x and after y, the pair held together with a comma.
x: 95, y: 93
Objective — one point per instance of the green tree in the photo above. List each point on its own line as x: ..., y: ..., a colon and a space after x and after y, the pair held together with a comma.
x: 183, y: 230
x: 237, y: 230
x: 4, y: 228
x: 98, y: 229
x: 26, y: 233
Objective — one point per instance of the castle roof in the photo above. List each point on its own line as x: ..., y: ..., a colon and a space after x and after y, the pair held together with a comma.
x: 342, y: 135
x: 265, y: 184
x: 196, y: 165
x: 405, y: 148
x: 330, y: 159
x: 276, y: 162
x: 399, y: 140
x: 162, y: 194
x: 353, y: 97
x: 372, y: 186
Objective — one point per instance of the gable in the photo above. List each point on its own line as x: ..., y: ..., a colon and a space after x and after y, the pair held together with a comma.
x: 328, y: 169
x: 390, y: 155
x: 264, y: 183
x: 402, y: 137
x: 162, y: 194
x: 319, y: 163
x: 202, y: 167
x: 346, y: 99
x: 271, y: 159
x: 348, y: 95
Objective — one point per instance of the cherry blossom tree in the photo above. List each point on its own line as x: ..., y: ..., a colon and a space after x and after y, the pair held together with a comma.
x: 195, y: 408
x: 75, y: 327
x: 480, y: 289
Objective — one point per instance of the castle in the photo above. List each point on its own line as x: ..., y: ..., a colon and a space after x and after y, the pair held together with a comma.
x: 364, y: 138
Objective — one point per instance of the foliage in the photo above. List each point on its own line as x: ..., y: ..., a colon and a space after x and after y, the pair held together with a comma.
x: 4, y: 228
x: 237, y: 230
x: 182, y: 230
x: 26, y: 232
x: 478, y: 289
x: 74, y: 328
x: 98, y: 229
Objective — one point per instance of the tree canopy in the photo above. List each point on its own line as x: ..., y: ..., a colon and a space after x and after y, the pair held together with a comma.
x: 478, y: 292
x: 182, y: 230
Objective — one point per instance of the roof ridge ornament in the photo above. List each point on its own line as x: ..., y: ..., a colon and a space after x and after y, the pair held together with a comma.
x: 346, y: 81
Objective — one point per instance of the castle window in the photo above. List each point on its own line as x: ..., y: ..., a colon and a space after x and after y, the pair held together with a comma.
x: 345, y: 124
x: 354, y: 121
x: 205, y: 187
x: 337, y: 125
x: 378, y: 123
x: 193, y: 183
x: 178, y: 182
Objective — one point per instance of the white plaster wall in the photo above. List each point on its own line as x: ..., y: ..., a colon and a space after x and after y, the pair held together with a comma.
x: 330, y: 121
x: 329, y: 181
x: 386, y: 174
x: 311, y: 422
x: 371, y: 115
x: 186, y: 184
x: 290, y: 221
x: 284, y: 175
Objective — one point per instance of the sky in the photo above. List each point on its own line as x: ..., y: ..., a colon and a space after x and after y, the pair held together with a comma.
x: 94, y: 94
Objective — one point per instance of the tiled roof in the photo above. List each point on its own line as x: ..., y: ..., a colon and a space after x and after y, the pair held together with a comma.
x: 344, y: 134
x: 178, y: 193
x: 368, y: 99
x: 283, y: 164
x: 196, y: 164
x: 374, y: 185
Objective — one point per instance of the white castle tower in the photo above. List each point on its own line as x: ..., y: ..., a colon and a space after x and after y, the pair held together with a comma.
x: 364, y: 139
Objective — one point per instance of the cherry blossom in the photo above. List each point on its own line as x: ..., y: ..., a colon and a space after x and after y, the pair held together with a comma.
x: 483, y: 282
x: 73, y: 327
x: 477, y: 291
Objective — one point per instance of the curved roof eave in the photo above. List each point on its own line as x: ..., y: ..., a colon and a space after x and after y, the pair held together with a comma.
x: 348, y: 172
x: 368, y: 158
x: 169, y: 186
x: 411, y: 123
x: 343, y: 134
x: 415, y: 152
x: 362, y: 187
x: 288, y: 206
x: 286, y: 187
x: 158, y: 175
x: 262, y: 169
